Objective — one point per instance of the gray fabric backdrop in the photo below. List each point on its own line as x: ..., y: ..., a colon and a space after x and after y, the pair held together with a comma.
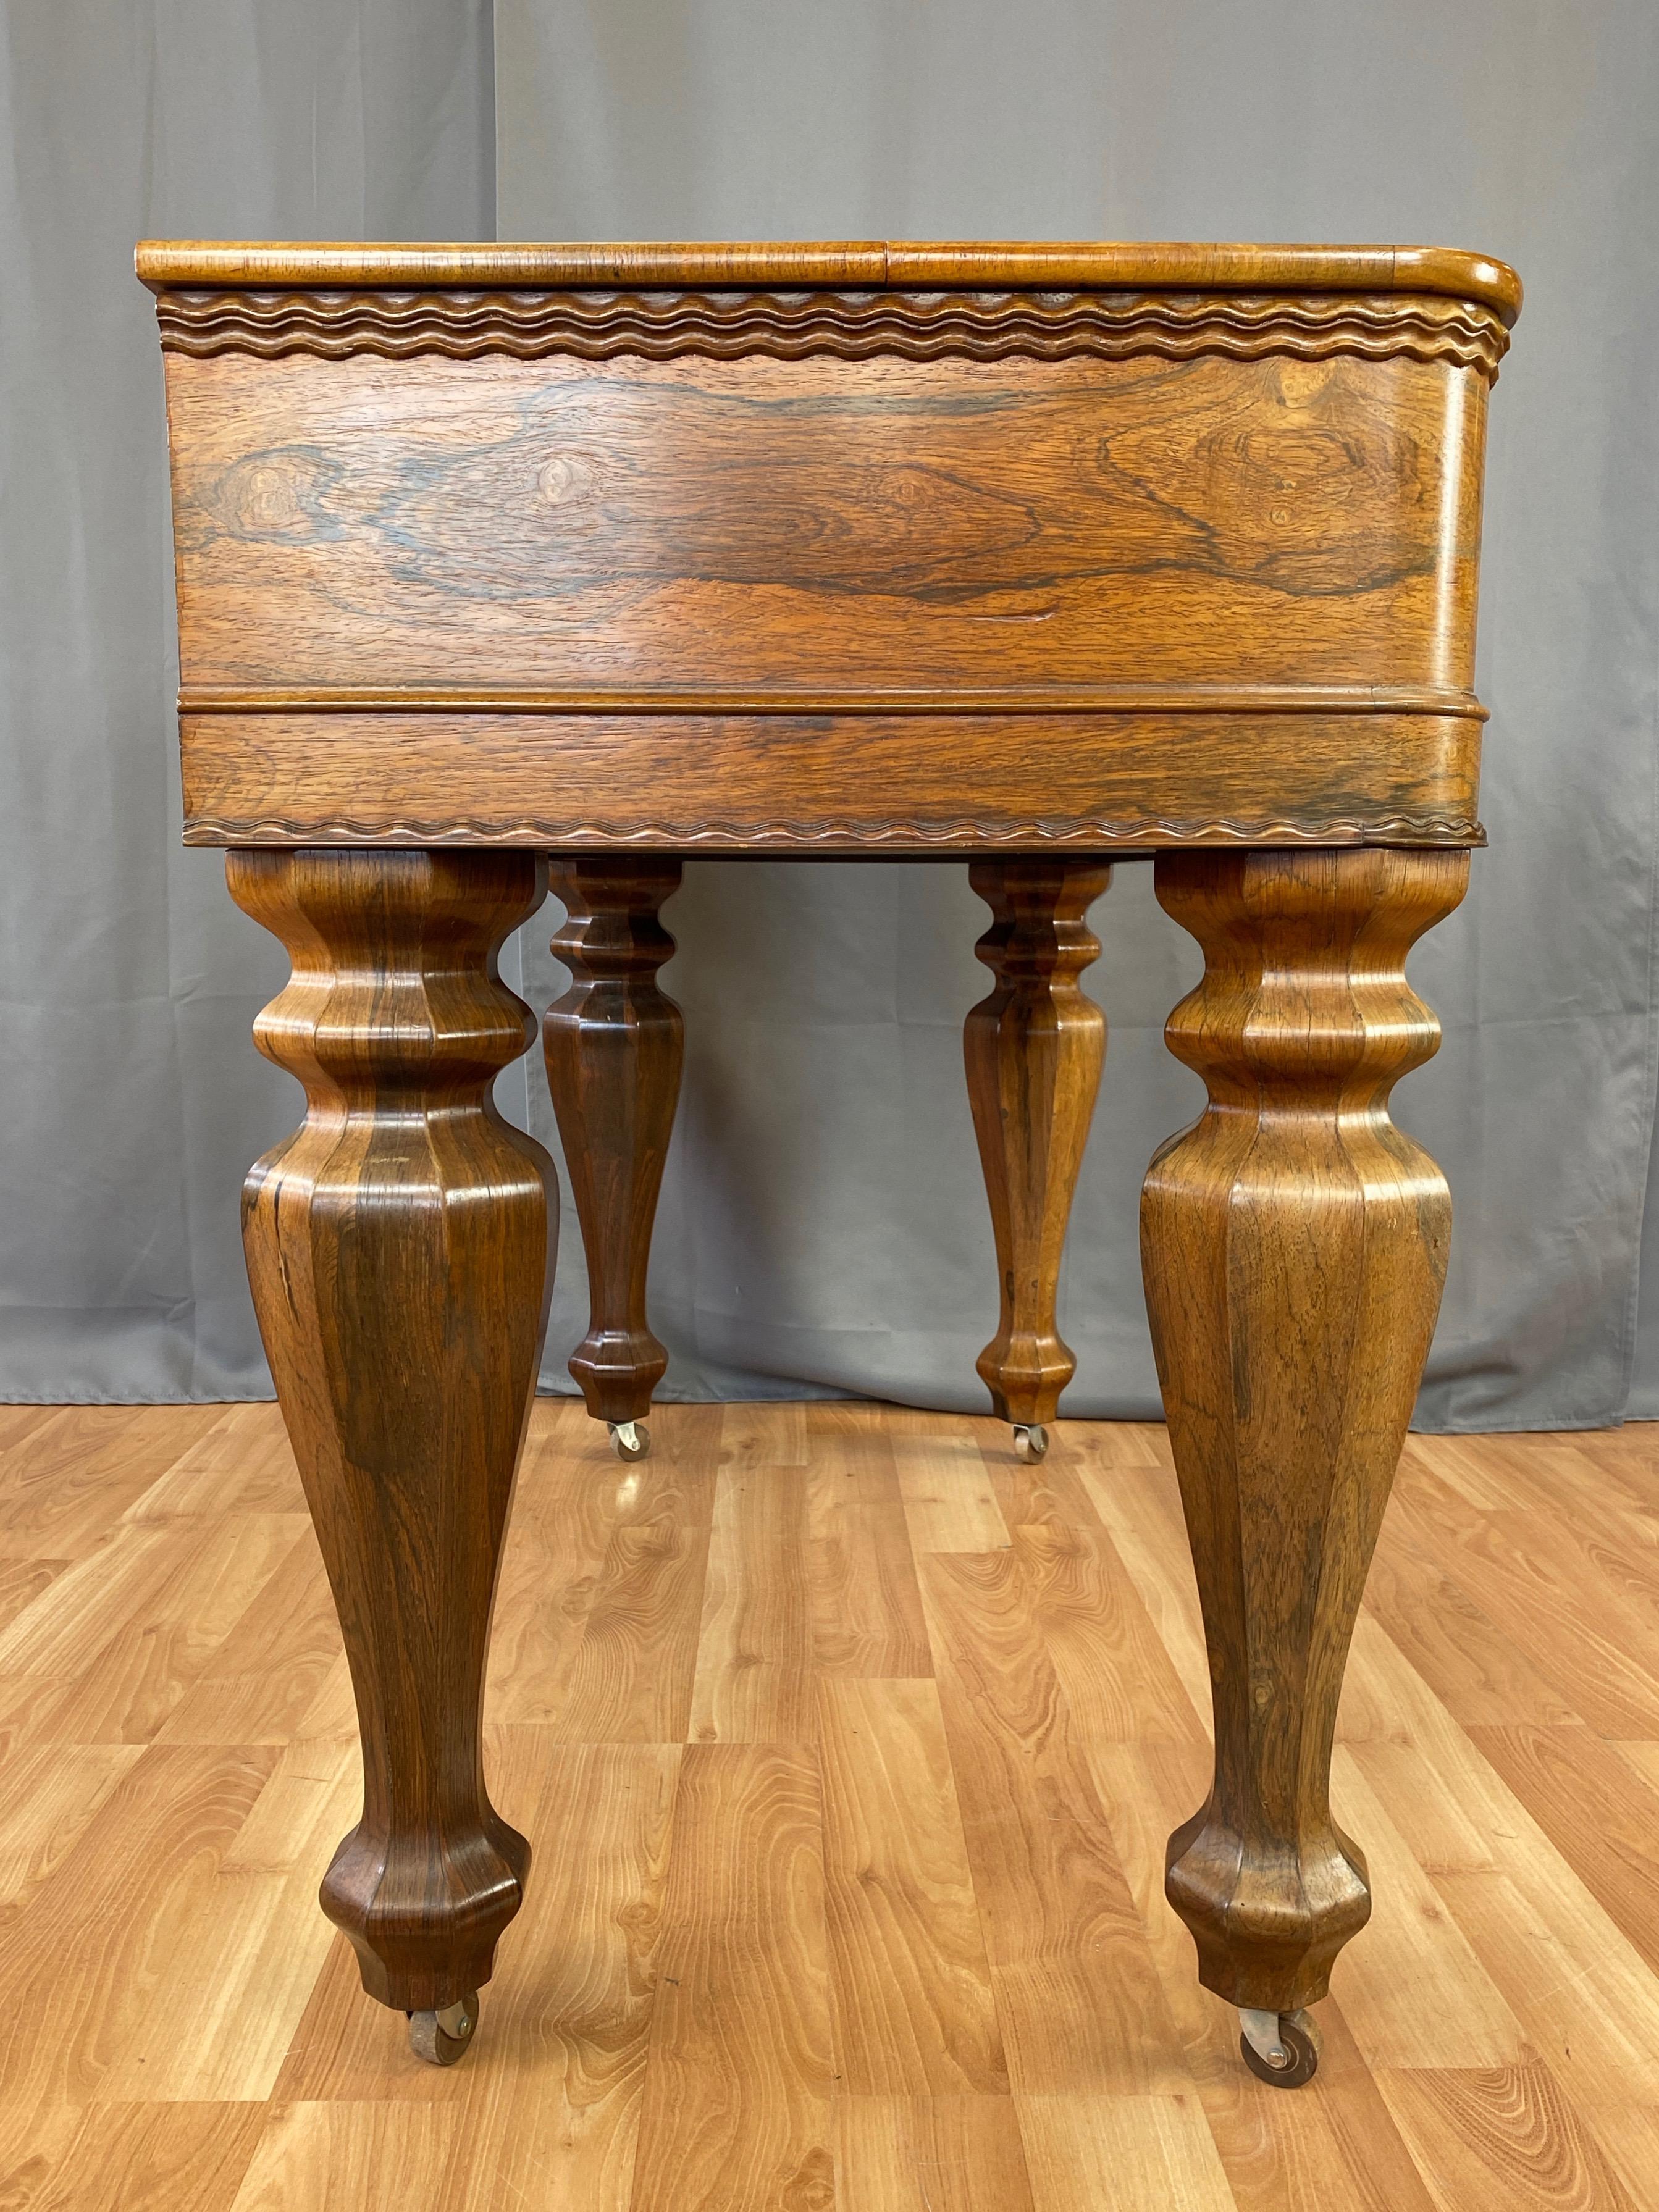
x: 823, y: 1226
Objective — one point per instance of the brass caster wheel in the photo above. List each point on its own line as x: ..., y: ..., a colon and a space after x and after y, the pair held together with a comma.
x: 630, y: 1439
x: 1031, y: 1440
x: 442, y: 2037
x: 1281, y: 2048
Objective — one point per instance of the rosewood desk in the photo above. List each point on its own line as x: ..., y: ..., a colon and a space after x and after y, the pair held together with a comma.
x: 1031, y: 555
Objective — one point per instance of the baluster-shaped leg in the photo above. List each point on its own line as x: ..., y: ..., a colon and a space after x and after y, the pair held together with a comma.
x: 398, y: 1249
x: 1294, y: 1244
x: 614, y: 1045
x: 1034, y: 1048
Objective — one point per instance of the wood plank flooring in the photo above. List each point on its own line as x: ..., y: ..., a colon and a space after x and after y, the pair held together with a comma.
x: 848, y: 1747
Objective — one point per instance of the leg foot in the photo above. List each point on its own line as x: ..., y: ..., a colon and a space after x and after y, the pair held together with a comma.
x: 614, y: 1045
x: 1034, y: 1050
x: 1294, y: 1244
x: 399, y: 1250
x: 1031, y: 1440
x: 630, y: 1439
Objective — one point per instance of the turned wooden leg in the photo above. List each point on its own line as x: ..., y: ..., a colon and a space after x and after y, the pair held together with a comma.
x: 1294, y: 1244
x: 614, y: 1044
x: 398, y: 1248
x: 1034, y: 1050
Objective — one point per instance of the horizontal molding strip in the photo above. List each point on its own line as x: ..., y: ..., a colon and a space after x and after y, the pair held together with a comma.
x: 1102, y: 699
x: 966, y: 833
x: 848, y: 325
x: 164, y: 264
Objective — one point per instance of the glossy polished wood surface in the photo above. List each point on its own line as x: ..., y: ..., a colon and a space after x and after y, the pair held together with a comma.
x: 614, y: 1044
x: 1034, y: 1050
x: 1294, y: 1244
x: 398, y: 1251
x: 183, y: 2032
x: 168, y: 264
x: 1033, y: 554
x: 846, y: 547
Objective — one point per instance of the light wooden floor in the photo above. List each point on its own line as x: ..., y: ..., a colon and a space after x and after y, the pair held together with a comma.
x: 848, y: 1749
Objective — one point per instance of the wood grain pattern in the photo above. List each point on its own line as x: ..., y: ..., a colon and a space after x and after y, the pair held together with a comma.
x: 164, y: 263
x: 152, y: 1884
x: 632, y: 1670
x: 1279, y: 2153
x: 259, y: 1685
x: 950, y: 1500
x: 613, y: 1044
x: 1291, y: 1234
x: 1597, y: 1812
x: 152, y: 2158
x: 1078, y: 2001
x: 568, y: 2038
x: 551, y: 1572
x: 737, y: 2093
x: 597, y: 1598
x: 805, y: 784
x: 753, y: 1681
x: 942, y: 2153
x: 93, y: 1957
x: 881, y: 526
x: 22, y: 1581
x: 866, y: 1609
x: 748, y: 550
x: 1034, y: 1050
x: 1112, y: 1663
x: 375, y: 2157
x: 243, y: 1464
x: 129, y: 1689
x: 1453, y: 1643
x: 48, y: 1793
x: 68, y: 1481
x: 397, y: 1248
x: 576, y: 2034
x: 1157, y: 2151
x: 914, y: 2011
x: 1472, y: 2126
x: 962, y: 702
x: 1514, y: 1567
x: 1415, y: 1956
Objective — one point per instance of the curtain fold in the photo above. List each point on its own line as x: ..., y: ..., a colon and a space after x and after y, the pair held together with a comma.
x: 132, y: 1104
x: 823, y: 1217
x: 822, y: 1227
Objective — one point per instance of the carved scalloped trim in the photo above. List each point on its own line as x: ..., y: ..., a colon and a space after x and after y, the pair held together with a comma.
x: 1152, y: 829
x: 851, y: 326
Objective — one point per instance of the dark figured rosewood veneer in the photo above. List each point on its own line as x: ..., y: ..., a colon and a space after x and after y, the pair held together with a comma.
x: 1038, y: 556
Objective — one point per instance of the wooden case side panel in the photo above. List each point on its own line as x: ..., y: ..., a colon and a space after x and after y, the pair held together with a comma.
x: 795, y: 526
x: 912, y: 782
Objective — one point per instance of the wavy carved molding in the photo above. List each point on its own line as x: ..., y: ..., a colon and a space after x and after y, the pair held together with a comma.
x: 968, y: 834
x: 913, y: 326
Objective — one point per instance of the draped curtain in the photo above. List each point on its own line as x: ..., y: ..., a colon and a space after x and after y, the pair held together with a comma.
x: 823, y: 1226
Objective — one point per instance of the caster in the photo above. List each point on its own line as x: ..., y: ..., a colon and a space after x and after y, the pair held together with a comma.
x: 442, y: 2037
x: 1031, y: 1440
x: 1281, y: 2048
x: 630, y: 1439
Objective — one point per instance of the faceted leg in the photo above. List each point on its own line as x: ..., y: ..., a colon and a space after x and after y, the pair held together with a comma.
x: 1294, y: 1244
x: 614, y: 1045
x: 398, y: 1249
x: 1034, y: 1050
